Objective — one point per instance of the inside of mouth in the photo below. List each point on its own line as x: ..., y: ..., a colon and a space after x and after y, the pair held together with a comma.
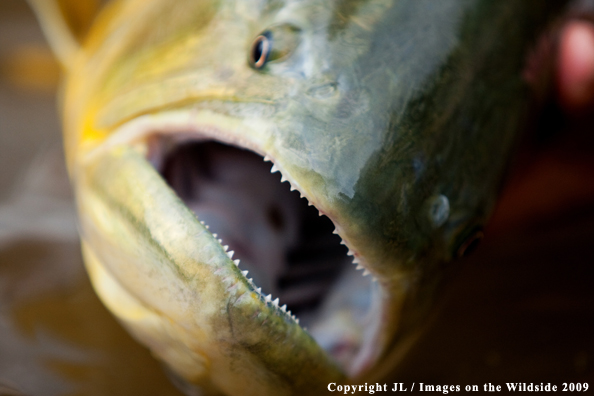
x: 289, y: 250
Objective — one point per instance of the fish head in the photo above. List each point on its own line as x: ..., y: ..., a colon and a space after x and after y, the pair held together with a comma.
x: 325, y: 104
x: 374, y: 111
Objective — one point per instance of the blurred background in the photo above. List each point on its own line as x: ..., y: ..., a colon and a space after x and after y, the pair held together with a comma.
x: 520, y: 309
x: 56, y: 338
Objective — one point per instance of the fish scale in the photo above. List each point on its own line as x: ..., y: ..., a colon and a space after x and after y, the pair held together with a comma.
x: 382, y: 114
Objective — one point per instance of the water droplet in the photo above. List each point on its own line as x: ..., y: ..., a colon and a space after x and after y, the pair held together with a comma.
x: 439, y: 210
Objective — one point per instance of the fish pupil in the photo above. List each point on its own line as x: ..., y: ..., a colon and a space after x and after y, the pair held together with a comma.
x: 260, y: 51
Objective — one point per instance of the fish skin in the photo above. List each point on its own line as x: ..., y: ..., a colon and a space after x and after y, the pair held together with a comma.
x: 382, y: 109
x: 174, y: 288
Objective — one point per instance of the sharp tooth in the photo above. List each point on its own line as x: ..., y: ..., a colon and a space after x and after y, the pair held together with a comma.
x: 350, y: 253
x: 230, y: 253
x: 273, y: 169
x: 275, y: 302
x: 207, y: 226
x: 360, y: 267
x: 259, y: 290
x: 245, y: 272
x: 283, y: 179
x: 214, y: 234
x: 335, y: 232
x: 309, y: 203
x: 297, y: 320
x: 374, y: 278
x: 365, y: 273
x: 236, y: 262
x: 268, y: 298
x: 355, y: 260
x: 284, y: 308
x: 320, y: 214
x: 292, y: 188
x: 266, y: 158
x: 226, y: 247
x: 251, y: 280
x: 220, y: 241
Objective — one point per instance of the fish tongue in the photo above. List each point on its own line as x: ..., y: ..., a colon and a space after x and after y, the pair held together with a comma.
x: 248, y: 208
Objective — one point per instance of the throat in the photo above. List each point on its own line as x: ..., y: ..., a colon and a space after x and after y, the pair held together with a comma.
x: 289, y: 250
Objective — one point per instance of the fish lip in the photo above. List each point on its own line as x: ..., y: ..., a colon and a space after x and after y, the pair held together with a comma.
x: 170, y: 123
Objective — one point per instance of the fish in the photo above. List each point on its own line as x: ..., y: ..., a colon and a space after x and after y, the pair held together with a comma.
x: 348, y: 151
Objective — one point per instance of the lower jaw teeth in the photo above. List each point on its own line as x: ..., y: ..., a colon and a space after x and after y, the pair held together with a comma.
x: 289, y: 248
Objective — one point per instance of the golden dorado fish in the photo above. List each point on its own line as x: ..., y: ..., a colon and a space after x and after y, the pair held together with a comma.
x: 392, y: 119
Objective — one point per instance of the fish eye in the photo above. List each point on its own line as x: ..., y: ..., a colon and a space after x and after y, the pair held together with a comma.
x: 274, y: 44
x: 470, y: 242
x: 260, y: 50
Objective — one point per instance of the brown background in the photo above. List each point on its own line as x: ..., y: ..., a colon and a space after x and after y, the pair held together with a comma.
x: 520, y: 309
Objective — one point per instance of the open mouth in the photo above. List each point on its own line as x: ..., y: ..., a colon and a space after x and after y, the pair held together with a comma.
x: 288, y: 251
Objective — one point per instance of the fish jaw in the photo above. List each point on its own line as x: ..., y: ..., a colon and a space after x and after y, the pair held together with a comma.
x: 168, y: 279
x: 372, y: 169
x: 137, y: 137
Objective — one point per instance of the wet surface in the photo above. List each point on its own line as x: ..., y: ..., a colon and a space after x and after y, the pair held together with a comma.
x: 56, y: 338
x: 521, y: 307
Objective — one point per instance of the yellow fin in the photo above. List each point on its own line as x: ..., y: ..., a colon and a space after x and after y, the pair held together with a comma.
x: 65, y: 23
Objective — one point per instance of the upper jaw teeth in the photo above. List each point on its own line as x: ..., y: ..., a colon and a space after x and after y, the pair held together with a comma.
x: 356, y: 260
x: 257, y: 268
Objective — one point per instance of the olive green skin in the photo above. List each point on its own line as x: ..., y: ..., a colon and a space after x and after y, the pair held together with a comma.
x: 371, y: 109
x: 381, y: 105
